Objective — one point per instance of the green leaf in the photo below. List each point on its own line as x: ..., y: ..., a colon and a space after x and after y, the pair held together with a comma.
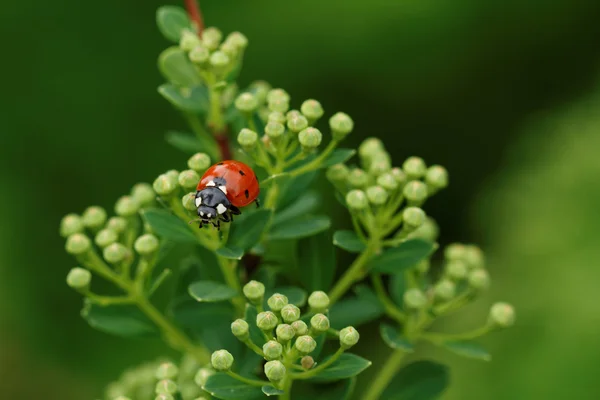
x: 300, y: 227
x: 172, y: 21
x: 177, y: 68
x: 420, y: 380
x: 468, y: 349
x: 294, y: 294
x: 168, y: 226
x: 347, y: 366
x: 222, y: 386
x: 338, y: 156
x: 397, y: 288
x: 119, y: 320
x: 357, y: 310
x: 294, y: 186
x: 349, y: 241
x: 256, y: 334
x: 405, y: 256
x: 232, y: 253
x: 306, y: 203
x: 210, y: 291
x: 317, y: 258
x: 184, y: 142
x: 394, y: 339
x: 247, y: 232
x: 192, y: 100
x: 271, y: 390
x: 340, y: 390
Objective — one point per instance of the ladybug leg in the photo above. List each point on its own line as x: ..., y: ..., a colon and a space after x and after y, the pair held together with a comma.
x: 257, y: 202
x: 234, y: 210
x: 226, y: 217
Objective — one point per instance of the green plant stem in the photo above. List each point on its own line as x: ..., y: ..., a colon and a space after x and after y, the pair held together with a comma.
x: 107, y: 300
x: 316, y: 163
x: 229, y: 271
x: 438, y: 338
x: 390, y: 308
x: 252, y: 346
x: 252, y: 382
x: 310, y: 373
x: 203, y: 135
x: 385, y: 375
x: 355, y: 272
x: 286, y: 386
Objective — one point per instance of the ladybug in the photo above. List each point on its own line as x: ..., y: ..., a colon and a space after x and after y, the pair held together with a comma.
x: 223, y: 188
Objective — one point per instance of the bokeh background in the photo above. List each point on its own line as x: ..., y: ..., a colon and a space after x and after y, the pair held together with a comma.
x: 505, y: 94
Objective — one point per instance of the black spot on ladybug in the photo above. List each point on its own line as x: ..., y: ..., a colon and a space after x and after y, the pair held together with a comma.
x: 246, y: 193
x: 220, y: 163
x: 242, y: 173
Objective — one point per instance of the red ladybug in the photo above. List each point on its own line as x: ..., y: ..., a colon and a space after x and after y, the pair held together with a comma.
x: 223, y: 188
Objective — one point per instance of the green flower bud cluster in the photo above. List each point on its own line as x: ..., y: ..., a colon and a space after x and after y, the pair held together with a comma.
x: 135, y: 383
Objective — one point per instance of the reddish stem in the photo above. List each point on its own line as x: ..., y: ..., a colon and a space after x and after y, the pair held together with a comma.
x: 195, y: 14
x: 223, y: 142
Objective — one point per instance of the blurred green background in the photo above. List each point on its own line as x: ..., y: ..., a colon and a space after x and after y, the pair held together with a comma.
x: 503, y: 93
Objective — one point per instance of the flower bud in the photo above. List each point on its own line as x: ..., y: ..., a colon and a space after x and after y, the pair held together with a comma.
x: 415, y: 298
x: 202, y: 376
x: 369, y: 147
x: 143, y: 194
x: 117, y: 224
x: 278, y: 94
x: 319, y: 323
x: 502, y: 315
x: 127, y: 206
x: 285, y: 332
x: 305, y: 344
x: 246, y: 102
x: 310, y: 138
x: 423, y: 266
x: 307, y: 362
x: 300, y: 327
x: 444, y: 290
x: 79, y: 278
x: 479, y: 279
x: 70, y: 224
x: 337, y: 173
x: 146, y: 244
x: 247, y: 139
x: 274, y: 130
x: 428, y: 231
x: 254, y: 291
x: 312, y: 110
x: 276, y: 116
x: 413, y: 217
x: 296, y: 122
x: 279, y: 104
x: 387, y: 181
x: 199, y: 162
x: 341, y: 125
x: 436, y: 177
x: 274, y: 370
x: 164, y: 396
x: 199, y: 55
x: 290, y: 313
x: 229, y: 48
x: 380, y: 164
x: 348, y: 337
x: 318, y: 301
x: 357, y: 200
x: 415, y: 192
x: 121, y: 398
x: 188, y: 40
x: 219, y: 60
x: 94, y: 217
x: 238, y: 39
x: 77, y: 244
x: 211, y: 38
x: 115, y: 253
x: 188, y: 179
x: 106, y: 237
x: 455, y: 251
x: 266, y: 321
x: 272, y: 350
x: 399, y: 175
x: 189, y: 201
x: 473, y: 256
x: 414, y: 167
x: 456, y: 270
x: 240, y: 329
x: 358, y: 178
x: 277, y: 301
x: 167, y: 370
x: 377, y: 195
x: 166, y: 386
x: 164, y: 185
x: 260, y: 89
x: 221, y: 360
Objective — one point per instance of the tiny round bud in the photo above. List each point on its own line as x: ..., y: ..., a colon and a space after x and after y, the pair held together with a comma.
x: 479, y: 279
x: 143, y: 194
x: 456, y: 269
x: 211, y: 38
x: 414, y: 167
x: 305, y: 344
x: 106, y: 237
x: 348, y: 337
x: 285, y: 332
x: 202, y: 376
x: 260, y: 89
x: 473, y: 256
x: 167, y: 370
x: 166, y: 386
x: 307, y: 362
x: 229, y: 48
x: 121, y: 398
x: 502, y: 315
x: 387, y: 181
x: 246, y: 102
x: 79, y: 278
x: 318, y: 301
x: 436, y: 177
x: 357, y: 200
x: 358, y: 178
x: 296, y: 122
x: 238, y: 39
x: 272, y: 350
x: 370, y: 146
x: 399, y: 175
x: 188, y: 179
x: 278, y: 104
x: 219, y: 60
x: 266, y: 321
x: 341, y: 125
x: 290, y: 313
x: 423, y: 266
x: 455, y: 251
x: 164, y: 185
x: 164, y: 396
x: 115, y: 253
x: 221, y: 360
x: 274, y: 370
x: 276, y: 116
x: 337, y: 173
x: 274, y: 130
x: 254, y: 291
x: 445, y: 290
x: 380, y: 164
x: 117, y: 224
x: 415, y: 192
x: 94, y: 217
x: 146, y: 244
x: 278, y: 94
x: 188, y: 40
x: 428, y: 231
x: 277, y: 301
x: 189, y: 201
x: 240, y: 329
x: 77, y: 244
x: 319, y: 323
x: 415, y: 298
x: 311, y: 109
x: 310, y: 138
x: 199, y: 55
x: 377, y: 195
x: 300, y: 327
x: 247, y: 139
x: 70, y: 224
x: 127, y: 206
x: 413, y: 217
x: 199, y: 162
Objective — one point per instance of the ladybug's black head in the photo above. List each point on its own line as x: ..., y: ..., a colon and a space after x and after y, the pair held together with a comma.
x: 212, y: 203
